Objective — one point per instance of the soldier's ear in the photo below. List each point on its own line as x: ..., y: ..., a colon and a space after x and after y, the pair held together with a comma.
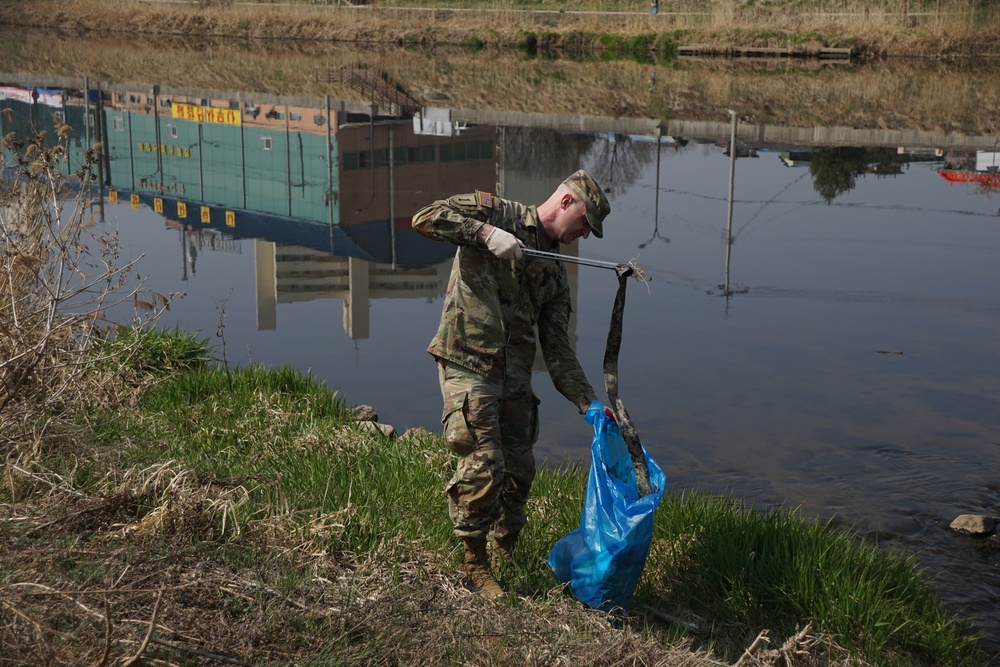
x: 566, y: 201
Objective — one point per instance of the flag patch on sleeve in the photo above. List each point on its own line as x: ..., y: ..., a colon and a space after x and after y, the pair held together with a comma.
x: 485, y: 200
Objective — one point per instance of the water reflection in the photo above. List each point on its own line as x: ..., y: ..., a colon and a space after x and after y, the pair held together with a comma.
x: 827, y: 253
x: 243, y: 159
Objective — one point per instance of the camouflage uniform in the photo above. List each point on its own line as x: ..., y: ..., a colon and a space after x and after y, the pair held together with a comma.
x: 485, y: 346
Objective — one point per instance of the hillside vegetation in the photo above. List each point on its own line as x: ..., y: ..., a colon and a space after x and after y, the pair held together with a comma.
x: 936, y: 29
x: 576, y: 67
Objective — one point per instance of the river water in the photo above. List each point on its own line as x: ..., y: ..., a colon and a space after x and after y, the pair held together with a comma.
x: 818, y: 328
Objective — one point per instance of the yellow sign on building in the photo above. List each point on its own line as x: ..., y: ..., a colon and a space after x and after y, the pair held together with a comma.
x: 182, y: 210
x: 200, y: 114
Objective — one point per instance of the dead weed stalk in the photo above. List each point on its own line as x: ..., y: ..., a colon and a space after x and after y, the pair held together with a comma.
x: 61, y: 273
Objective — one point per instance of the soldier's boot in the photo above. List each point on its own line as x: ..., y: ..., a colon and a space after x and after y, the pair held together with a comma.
x: 477, y: 566
x: 503, y: 551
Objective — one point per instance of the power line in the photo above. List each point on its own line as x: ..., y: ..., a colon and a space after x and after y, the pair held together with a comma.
x: 849, y: 205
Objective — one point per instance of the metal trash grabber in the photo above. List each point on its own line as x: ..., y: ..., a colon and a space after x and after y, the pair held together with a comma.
x: 628, y: 430
x: 569, y: 258
x: 629, y: 269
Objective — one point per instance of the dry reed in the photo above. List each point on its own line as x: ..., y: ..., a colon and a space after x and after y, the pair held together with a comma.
x: 59, y: 275
x: 921, y: 94
x: 891, y: 26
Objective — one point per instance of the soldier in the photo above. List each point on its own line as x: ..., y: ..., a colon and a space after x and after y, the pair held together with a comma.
x: 485, y: 348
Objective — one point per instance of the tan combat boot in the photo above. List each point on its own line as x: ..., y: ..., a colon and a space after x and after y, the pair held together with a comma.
x: 503, y: 551
x: 477, y: 566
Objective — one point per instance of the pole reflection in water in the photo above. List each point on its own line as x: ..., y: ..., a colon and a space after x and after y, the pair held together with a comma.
x: 729, y: 216
x: 656, y: 204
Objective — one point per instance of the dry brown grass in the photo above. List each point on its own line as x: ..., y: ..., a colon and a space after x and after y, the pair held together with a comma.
x: 946, y: 27
x: 146, y: 573
x: 59, y: 275
x: 919, y: 94
x: 922, y: 94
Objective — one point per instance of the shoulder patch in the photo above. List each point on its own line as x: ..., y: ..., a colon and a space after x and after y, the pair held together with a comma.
x: 468, y: 200
x: 485, y: 199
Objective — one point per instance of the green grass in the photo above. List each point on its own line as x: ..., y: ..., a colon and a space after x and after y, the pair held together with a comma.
x: 745, y: 569
x: 155, y: 351
x: 583, y: 46
x: 473, y: 44
x: 278, y: 427
x: 639, y: 48
x: 291, y: 442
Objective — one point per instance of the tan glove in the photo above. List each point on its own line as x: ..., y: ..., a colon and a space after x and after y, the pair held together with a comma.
x: 503, y: 244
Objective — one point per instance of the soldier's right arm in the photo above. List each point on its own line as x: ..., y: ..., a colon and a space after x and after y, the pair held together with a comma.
x: 457, y: 220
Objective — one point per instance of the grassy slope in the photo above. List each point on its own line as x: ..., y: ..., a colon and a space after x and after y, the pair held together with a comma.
x: 244, y: 514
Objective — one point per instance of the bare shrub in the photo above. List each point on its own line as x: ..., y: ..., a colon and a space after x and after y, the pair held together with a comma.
x: 59, y: 275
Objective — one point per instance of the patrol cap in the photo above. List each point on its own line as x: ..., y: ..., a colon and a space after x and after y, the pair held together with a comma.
x: 591, y: 194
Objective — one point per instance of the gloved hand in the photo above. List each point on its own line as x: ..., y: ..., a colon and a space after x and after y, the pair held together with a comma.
x: 503, y: 244
x: 598, y: 407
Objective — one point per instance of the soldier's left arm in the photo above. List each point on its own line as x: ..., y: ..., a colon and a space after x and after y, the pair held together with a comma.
x: 459, y: 219
x: 560, y: 359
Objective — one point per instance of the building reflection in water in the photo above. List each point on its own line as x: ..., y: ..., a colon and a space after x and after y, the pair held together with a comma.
x: 327, y: 193
x: 327, y: 189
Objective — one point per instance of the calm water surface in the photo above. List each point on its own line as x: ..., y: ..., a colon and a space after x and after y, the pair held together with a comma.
x: 851, y: 370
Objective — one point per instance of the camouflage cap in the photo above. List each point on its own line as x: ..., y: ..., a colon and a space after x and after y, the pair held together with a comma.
x: 587, y: 189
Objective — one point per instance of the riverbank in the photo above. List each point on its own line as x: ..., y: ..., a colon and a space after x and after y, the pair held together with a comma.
x: 953, y: 86
x: 247, y: 516
x: 945, y: 29
x: 160, y: 504
x: 899, y: 94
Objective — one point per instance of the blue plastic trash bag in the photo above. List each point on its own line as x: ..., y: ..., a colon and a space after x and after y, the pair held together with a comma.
x: 603, y: 559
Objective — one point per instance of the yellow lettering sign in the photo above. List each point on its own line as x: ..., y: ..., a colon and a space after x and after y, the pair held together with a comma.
x: 157, y: 204
x: 230, y: 219
x: 206, y: 214
x: 200, y: 114
x: 113, y: 196
x: 133, y: 200
x: 182, y: 210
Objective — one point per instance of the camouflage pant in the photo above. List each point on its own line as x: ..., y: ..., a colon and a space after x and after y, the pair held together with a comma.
x: 492, y: 428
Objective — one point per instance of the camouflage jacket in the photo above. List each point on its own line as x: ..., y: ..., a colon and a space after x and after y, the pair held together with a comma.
x: 493, y: 305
